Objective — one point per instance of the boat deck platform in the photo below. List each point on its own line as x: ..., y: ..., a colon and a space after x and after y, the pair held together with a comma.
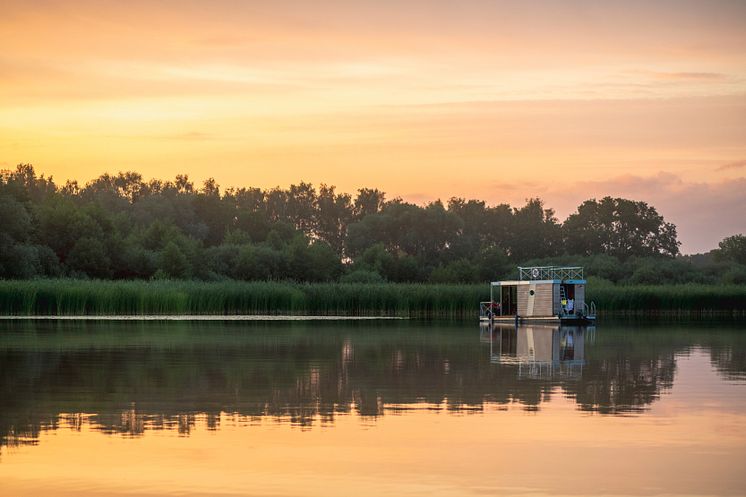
x: 566, y: 319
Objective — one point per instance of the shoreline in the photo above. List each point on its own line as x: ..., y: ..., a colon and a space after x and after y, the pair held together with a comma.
x: 285, y: 300
x: 198, y: 317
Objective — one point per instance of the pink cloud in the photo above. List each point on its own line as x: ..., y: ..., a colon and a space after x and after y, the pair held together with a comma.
x: 704, y: 213
x: 732, y: 165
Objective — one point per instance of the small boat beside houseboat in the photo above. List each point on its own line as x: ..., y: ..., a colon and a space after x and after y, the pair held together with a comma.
x: 547, y: 294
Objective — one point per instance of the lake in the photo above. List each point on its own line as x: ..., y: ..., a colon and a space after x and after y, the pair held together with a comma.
x: 370, y: 408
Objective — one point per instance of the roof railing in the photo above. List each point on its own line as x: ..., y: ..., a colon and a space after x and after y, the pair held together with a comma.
x: 550, y: 273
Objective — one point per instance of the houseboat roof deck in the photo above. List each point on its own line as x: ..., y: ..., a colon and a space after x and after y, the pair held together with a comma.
x: 550, y: 273
x: 526, y: 275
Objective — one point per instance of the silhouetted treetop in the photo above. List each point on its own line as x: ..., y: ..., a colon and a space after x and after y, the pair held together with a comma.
x: 122, y: 226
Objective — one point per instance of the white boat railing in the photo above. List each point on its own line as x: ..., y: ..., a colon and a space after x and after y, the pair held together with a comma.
x: 589, y: 310
x: 550, y: 273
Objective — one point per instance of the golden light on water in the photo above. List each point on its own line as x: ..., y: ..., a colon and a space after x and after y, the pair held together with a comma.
x: 685, y: 443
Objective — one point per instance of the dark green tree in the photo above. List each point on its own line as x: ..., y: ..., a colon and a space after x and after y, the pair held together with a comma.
x: 301, y: 207
x: 534, y: 232
x: 732, y: 248
x: 619, y: 227
x: 334, y: 215
x: 173, y: 263
x: 368, y: 201
x: 88, y: 256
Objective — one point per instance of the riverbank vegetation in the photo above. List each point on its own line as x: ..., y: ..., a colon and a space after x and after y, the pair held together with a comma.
x: 454, y: 301
x: 121, y: 227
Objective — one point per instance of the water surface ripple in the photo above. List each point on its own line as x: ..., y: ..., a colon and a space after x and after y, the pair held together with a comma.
x: 157, y: 407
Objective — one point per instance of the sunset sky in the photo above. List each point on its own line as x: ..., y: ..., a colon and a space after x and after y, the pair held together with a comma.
x: 501, y: 101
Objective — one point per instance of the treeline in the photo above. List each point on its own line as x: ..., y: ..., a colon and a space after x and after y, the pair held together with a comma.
x: 123, y: 227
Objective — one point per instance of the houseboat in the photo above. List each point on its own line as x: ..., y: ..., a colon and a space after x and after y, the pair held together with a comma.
x: 548, y: 294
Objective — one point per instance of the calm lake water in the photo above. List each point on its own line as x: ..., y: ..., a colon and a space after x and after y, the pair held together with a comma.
x: 371, y: 408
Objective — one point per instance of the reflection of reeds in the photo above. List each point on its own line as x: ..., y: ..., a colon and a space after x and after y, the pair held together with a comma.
x: 80, y: 297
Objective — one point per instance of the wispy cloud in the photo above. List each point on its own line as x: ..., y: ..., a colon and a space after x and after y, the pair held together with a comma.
x: 691, y: 76
x: 739, y: 164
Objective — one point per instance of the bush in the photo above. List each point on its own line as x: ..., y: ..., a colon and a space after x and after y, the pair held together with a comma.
x: 172, y: 262
x: 736, y: 275
x: 653, y: 271
x: 89, y: 256
x: 460, y: 271
x: 362, y: 276
x: 257, y: 263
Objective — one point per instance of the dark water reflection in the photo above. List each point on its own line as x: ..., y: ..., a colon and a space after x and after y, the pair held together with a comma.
x: 127, y: 378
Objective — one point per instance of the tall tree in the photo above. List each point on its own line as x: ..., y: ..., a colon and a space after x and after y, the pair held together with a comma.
x: 621, y: 228
x: 301, y: 207
x: 732, y: 248
x: 534, y: 233
x: 368, y: 201
x: 334, y: 215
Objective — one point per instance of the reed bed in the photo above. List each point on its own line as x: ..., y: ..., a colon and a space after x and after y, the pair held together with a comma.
x: 685, y: 300
x: 67, y: 297
x: 86, y: 297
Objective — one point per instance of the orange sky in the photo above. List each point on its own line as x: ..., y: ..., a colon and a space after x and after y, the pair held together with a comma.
x: 424, y: 99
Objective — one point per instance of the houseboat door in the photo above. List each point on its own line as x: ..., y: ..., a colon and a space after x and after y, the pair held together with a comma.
x: 567, y: 298
x: 509, y: 300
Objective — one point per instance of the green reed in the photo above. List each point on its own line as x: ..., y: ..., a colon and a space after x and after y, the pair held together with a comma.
x: 686, y: 299
x: 89, y: 297
x: 86, y: 297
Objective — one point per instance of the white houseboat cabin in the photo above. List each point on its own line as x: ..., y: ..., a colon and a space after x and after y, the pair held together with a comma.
x: 540, y: 294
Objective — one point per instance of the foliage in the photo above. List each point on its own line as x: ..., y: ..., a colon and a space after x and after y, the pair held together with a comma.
x: 362, y: 276
x: 733, y: 248
x: 460, y: 271
x: 124, y: 227
x: 621, y: 228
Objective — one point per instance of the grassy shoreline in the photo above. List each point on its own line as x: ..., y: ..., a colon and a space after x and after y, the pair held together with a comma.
x: 65, y: 297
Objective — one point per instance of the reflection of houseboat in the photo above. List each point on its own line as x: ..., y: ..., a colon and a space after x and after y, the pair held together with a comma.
x: 541, y: 294
x: 539, y: 349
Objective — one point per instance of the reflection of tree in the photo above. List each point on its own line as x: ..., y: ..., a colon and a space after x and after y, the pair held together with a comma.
x: 620, y: 384
x: 729, y: 362
x: 727, y: 350
x: 128, y: 390
x: 304, y: 375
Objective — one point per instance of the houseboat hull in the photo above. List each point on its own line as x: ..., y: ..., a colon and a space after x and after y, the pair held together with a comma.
x: 570, y: 320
